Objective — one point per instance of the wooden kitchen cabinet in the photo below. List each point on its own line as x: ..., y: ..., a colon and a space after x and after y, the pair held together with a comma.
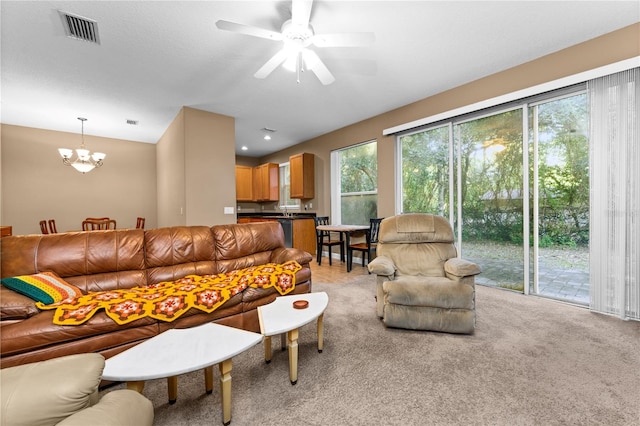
x: 244, y: 183
x: 302, y: 169
x: 266, y: 182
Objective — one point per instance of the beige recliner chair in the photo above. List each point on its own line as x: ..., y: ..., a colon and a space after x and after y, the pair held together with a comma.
x: 64, y: 391
x: 422, y: 284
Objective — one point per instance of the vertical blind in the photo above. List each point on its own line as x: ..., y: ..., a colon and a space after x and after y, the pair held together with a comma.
x: 615, y: 194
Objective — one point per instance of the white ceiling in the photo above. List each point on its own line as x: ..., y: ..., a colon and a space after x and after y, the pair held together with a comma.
x: 156, y: 57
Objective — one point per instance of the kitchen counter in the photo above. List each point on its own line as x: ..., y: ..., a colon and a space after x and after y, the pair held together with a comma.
x: 275, y: 215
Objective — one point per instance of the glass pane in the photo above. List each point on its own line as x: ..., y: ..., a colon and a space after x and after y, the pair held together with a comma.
x: 563, y: 199
x: 285, y: 188
x: 490, y: 157
x: 357, y: 209
x: 359, y: 184
x: 425, y: 172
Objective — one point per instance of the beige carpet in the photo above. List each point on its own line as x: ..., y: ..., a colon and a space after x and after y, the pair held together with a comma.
x: 532, y: 361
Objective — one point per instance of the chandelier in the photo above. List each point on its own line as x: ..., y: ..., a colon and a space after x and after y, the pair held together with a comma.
x: 84, y: 161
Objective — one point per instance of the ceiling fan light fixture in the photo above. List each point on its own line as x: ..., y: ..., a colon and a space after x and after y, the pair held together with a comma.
x: 291, y: 63
x: 310, y: 58
x: 297, y: 32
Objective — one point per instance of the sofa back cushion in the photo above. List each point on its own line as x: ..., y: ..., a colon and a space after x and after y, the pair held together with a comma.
x: 92, y: 261
x: 174, y: 252
x: 242, y: 245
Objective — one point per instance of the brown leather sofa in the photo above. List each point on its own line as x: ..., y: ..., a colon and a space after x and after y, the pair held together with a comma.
x: 113, y: 259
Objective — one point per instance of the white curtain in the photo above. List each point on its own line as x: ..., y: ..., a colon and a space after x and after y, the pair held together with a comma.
x: 615, y: 194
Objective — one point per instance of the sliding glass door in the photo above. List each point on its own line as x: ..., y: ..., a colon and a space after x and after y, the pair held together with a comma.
x: 425, y: 171
x: 559, y: 260
x: 515, y: 185
x: 489, y: 182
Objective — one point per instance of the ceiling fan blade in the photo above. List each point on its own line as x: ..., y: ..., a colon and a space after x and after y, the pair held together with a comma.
x: 315, y: 64
x: 344, y: 39
x: 271, y: 64
x: 248, y: 30
x: 301, y: 12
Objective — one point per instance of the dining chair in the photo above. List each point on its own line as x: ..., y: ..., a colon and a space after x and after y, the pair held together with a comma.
x: 366, y: 247
x: 92, y: 224
x: 43, y: 227
x: 329, y: 243
x: 52, y: 226
x: 140, y: 223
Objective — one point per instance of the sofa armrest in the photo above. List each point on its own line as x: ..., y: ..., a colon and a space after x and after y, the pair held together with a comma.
x: 461, y: 268
x: 118, y: 407
x: 382, y: 265
x: 15, y: 306
x: 285, y: 254
x: 47, y: 392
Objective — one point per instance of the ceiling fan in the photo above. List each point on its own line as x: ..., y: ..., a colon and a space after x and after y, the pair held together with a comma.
x: 297, y: 36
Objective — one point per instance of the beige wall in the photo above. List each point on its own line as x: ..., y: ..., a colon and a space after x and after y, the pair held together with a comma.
x: 196, y: 176
x: 607, y: 49
x: 210, y: 172
x: 170, y: 152
x: 36, y: 185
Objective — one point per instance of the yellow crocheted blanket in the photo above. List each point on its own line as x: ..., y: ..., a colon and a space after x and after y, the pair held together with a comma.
x: 166, y: 301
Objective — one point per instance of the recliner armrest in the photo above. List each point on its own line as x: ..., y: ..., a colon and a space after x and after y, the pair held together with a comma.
x: 461, y: 268
x: 382, y: 265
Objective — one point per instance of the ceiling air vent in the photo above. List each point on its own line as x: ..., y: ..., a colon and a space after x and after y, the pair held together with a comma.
x: 80, y: 28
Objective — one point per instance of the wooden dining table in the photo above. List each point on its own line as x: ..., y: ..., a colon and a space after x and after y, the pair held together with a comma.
x: 347, y: 230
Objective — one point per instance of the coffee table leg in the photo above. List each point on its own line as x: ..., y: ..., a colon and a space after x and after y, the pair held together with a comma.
x: 208, y: 379
x: 292, y: 338
x: 267, y: 349
x: 283, y: 341
x: 136, y: 386
x: 321, y: 332
x: 172, y: 385
x: 225, y: 390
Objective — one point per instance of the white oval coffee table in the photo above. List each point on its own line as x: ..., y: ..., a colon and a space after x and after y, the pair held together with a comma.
x: 179, y: 351
x: 279, y: 317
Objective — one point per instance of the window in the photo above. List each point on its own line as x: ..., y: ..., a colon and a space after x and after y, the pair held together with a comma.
x: 354, y: 192
x: 285, y: 189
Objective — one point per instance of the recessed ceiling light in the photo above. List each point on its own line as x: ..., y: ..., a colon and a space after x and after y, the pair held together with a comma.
x: 244, y: 148
x: 267, y: 137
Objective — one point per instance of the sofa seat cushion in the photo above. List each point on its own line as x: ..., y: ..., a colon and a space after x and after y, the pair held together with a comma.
x: 437, y: 292
x: 39, y: 331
